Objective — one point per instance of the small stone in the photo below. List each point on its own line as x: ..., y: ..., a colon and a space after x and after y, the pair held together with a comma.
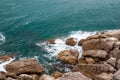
x: 57, y: 74
x: 90, y: 60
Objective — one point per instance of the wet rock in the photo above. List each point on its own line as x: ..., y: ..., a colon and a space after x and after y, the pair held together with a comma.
x: 52, y: 41
x: 112, y: 61
x: 116, y: 75
x: 82, y: 61
x: 80, y: 42
x: 71, y: 41
x: 25, y: 66
x: 57, y: 74
x: 90, y: 70
x: 25, y: 77
x: 104, y: 76
x: 73, y: 76
x: 68, y: 56
x: 2, y: 76
x: 46, y: 77
x: 95, y: 53
x: 5, y: 57
x: 90, y: 60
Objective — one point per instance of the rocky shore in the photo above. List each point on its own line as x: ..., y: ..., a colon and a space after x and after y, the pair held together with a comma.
x: 100, y: 61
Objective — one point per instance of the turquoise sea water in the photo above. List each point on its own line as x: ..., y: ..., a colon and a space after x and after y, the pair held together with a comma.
x: 27, y: 22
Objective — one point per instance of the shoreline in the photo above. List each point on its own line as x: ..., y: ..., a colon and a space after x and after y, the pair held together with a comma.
x: 100, y: 61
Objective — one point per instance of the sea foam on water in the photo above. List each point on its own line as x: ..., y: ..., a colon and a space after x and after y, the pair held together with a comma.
x: 54, y: 49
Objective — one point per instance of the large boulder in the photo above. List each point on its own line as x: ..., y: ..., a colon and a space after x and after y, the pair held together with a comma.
x: 46, y: 77
x: 95, y: 53
x: 25, y: 66
x: 116, y: 75
x: 100, y: 41
x: 68, y: 56
x: 91, y: 44
x: 71, y: 41
x: 73, y: 76
x: 90, y: 70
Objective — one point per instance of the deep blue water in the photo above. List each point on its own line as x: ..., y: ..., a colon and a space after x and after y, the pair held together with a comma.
x: 26, y: 22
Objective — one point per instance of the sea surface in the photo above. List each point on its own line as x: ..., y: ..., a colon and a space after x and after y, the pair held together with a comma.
x: 26, y: 25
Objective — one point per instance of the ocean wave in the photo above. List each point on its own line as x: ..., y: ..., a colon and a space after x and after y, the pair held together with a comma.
x: 54, y: 49
x: 2, y: 39
x: 3, y: 64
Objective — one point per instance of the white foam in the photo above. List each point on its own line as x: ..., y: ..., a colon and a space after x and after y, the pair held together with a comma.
x: 54, y: 49
x: 3, y: 64
x: 2, y: 39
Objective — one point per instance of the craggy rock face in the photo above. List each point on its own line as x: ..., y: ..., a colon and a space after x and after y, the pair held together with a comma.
x: 90, y: 70
x: 46, y: 77
x: 71, y: 41
x: 74, y: 76
x: 68, y: 56
x: 95, y: 53
x: 25, y: 66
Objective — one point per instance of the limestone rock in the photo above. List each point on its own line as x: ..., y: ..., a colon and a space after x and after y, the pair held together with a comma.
x: 90, y: 70
x: 57, y: 74
x: 71, y: 41
x: 95, y: 53
x: 25, y: 66
x: 68, y: 56
x: 74, y: 76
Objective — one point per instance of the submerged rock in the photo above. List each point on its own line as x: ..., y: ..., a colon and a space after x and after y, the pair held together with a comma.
x: 25, y: 66
x: 71, y: 41
x: 73, y: 76
x: 68, y: 56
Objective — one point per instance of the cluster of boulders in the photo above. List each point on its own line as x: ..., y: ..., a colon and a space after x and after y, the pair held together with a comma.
x: 100, y: 61
x: 100, y: 58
